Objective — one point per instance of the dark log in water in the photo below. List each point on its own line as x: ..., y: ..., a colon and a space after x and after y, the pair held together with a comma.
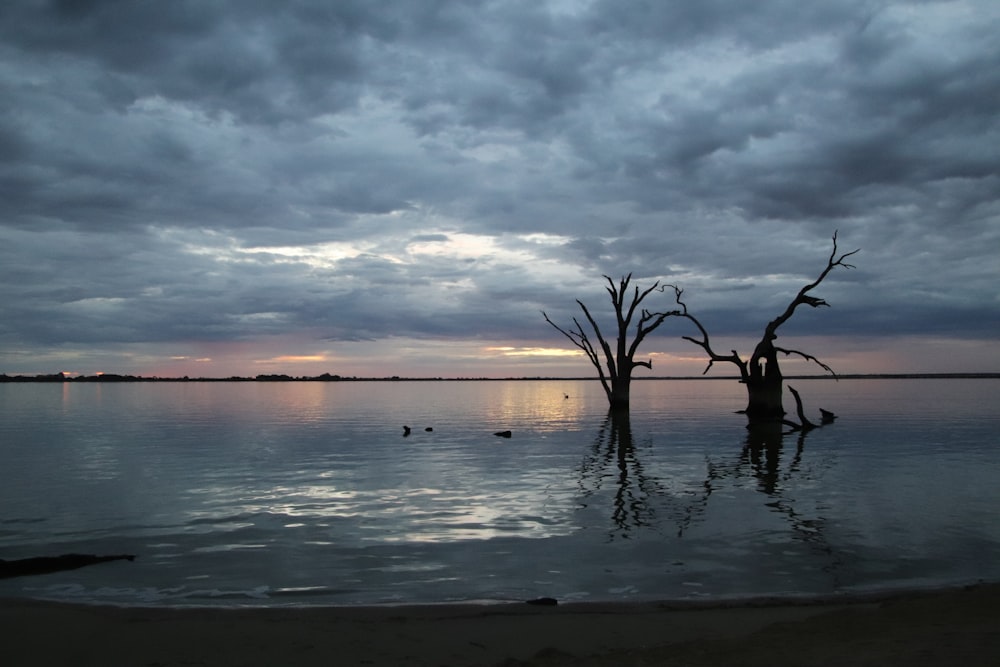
x: 48, y: 564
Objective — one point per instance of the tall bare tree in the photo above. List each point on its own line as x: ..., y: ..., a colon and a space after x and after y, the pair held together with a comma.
x: 761, y: 373
x: 615, y: 363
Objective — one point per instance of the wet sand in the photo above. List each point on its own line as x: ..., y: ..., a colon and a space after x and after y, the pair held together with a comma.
x: 953, y: 627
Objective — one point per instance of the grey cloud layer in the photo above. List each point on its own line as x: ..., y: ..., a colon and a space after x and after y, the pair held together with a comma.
x: 145, y: 147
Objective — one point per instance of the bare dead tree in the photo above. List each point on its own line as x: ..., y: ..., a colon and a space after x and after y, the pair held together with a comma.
x: 761, y: 373
x: 615, y: 364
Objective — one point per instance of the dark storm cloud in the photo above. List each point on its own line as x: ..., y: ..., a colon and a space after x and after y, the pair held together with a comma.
x: 236, y: 57
x: 179, y: 171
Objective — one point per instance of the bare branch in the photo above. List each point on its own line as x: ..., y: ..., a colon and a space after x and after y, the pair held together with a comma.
x: 803, y: 297
x: 608, y: 356
x: 637, y: 299
x: 617, y: 293
x: 648, y: 322
x: 620, y: 359
x: 807, y: 357
x: 762, y: 373
x: 806, y: 425
x: 705, y: 343
x: 579, y: 338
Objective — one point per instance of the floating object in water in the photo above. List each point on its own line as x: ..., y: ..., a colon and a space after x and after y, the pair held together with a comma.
x: 428, y: 429
x: 503, y: 434
x: 543, y: 602
x: 47, y: 564
x: 406, y: 431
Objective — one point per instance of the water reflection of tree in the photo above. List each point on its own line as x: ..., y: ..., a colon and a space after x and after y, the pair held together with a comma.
x: 614, y: 448
x: 638, y: 497
x: 761, y: 459
x: 762, y: 454
x: 641, y: 500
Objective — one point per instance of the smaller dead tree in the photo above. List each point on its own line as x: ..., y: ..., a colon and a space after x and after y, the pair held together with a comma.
x: 761, y: 373
x: 615, y: 363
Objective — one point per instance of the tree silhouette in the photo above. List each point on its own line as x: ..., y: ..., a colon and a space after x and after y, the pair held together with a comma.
x: 761, y: 373
x: 619, y: 360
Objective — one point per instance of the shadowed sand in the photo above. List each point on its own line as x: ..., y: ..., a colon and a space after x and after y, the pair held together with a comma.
x: 955, y: 627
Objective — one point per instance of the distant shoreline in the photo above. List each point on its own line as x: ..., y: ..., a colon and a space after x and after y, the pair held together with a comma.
x: 326, y: 377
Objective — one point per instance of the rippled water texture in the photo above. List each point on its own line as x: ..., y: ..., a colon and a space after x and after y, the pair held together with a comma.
x: 308, y: 493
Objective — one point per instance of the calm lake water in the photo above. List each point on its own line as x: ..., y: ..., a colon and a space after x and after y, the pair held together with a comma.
x: 307, y: 493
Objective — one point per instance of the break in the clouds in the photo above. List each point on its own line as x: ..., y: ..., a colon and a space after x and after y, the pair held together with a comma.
x: 215, y: 188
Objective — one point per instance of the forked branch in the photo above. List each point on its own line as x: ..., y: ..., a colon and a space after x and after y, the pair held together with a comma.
x: 803, y: 297
x: 807, y: 357
x: 579, y: 338
x: 619, y: 359
x: 705, y: 343
x: 761, y: 373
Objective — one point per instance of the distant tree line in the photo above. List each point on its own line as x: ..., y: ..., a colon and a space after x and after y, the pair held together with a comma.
x: 115, y: 377
x: 273, y: 377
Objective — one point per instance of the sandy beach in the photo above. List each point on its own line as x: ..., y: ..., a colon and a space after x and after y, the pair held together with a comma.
x: 953, y: 627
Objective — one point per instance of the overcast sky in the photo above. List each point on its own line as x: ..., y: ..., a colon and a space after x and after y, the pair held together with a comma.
x: 214, y: 188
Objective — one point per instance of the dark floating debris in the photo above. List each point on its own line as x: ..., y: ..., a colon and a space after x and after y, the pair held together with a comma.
x: 429, y: 429
x: 503, y: 434
x: 826, y: 416
x: 406, y: 431
x: 48, y: 564
x: 543, y: 602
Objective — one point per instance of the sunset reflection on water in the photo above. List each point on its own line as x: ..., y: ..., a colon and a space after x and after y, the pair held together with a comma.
x: 317, y: 481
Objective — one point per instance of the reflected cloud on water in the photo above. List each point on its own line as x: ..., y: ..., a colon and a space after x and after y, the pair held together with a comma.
x: 310, y: 487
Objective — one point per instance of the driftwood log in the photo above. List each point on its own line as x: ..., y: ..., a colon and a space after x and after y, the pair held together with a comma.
x: 47, y: 564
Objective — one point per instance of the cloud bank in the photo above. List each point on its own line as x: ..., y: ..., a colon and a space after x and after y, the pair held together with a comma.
x: 215, y: 188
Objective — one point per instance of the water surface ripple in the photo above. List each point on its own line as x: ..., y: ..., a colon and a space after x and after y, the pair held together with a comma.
x: 308, y: 493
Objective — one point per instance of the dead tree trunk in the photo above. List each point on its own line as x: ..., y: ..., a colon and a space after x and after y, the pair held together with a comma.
x: 764, y: 384
x: 615, y: 364
x: 761, y: 373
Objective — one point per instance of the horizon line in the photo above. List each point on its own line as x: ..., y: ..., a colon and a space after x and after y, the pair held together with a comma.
x: 328, y: 377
